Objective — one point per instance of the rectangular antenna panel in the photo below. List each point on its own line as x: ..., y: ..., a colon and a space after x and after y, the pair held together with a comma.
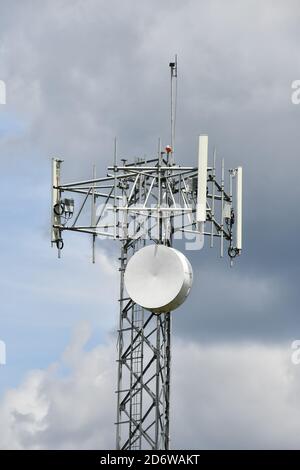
x: 55, y: 199
x: 239, y: 208
x: 202, y: 178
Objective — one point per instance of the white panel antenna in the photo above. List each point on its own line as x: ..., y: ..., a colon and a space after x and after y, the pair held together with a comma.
x: 202, y: 178
x: 239, y: 207
x: 55, y: 235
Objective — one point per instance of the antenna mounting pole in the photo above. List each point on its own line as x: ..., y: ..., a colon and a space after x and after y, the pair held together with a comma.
x: 173, y: 70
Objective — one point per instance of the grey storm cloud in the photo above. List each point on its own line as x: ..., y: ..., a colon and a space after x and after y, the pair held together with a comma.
x: 78, y: 73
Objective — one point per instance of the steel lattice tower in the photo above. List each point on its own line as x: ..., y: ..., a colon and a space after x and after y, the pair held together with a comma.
x: 149, y: 201
x: 143, y: 405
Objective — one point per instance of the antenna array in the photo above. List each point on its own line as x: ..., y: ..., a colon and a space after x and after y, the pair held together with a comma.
x: 147, y: 201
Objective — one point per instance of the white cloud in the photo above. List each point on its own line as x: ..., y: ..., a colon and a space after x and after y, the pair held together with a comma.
x: 227, y: 396
x: 69, y: 405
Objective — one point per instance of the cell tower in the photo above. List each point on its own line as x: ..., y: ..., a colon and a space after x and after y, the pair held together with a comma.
x: 147, y: 205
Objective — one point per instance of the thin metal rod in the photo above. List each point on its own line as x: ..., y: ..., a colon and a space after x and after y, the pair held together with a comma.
x: 157, y: 407
x: 120, y: 345
x: 168, y: 320
x: 173, y: 89
x: 213, y: 199
x: 104, y: 205
x: 91, y: 232
x: 154, y: 208
x: 154, y: 168
x: 230, y: 195
x: 88, y: 191
x: 81, y: 207
x: 115, y: 188
x: 97, y: 180
x: 93, y: 216
x: 222, y: 209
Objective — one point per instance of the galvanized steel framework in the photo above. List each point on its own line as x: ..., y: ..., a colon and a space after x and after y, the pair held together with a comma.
x: 147, y: 201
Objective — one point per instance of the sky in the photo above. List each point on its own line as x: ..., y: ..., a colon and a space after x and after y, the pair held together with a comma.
x: 77, y: 74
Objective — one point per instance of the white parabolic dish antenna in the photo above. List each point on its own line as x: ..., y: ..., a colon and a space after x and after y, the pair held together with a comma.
x: 158, y: 278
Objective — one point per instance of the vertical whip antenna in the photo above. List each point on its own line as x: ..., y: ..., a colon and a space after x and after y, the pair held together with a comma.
x: 173, y: 69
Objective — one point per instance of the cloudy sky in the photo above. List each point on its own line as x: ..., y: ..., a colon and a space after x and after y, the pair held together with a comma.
x: 79, y: 72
